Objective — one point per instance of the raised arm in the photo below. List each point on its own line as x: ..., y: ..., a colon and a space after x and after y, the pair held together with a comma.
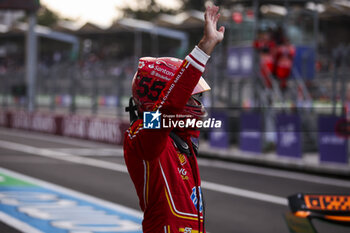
x: 212, y: 36
x: 178, y: 90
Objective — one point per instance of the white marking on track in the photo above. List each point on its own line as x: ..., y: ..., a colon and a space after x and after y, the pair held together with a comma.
x: 69, y: 157
x: 274, y: 173
x: 122, y: 168
x: 244, y: 193
x: 51, y: 138
x: 63, y: 156
x: 114, y: 152
x: 17, y: 224
x: 202, y: 162
x: 71, y: 192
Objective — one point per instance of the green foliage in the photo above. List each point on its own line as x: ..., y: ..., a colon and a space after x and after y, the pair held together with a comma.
x: 47, y: 17
x: 194, y: 5
x: 146, y: 10
x: 150, y: 9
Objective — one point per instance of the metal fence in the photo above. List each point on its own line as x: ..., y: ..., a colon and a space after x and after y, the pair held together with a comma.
x: 93, y: 87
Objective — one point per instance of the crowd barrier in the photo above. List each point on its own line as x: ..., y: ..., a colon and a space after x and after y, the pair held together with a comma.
x: 332, y: 136
x: 332, y: 147
x: 106, y: 130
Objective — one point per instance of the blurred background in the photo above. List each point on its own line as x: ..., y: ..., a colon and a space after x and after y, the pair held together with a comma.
x: 280, y: 79
x: 99, y: 47
x: 277, y: 57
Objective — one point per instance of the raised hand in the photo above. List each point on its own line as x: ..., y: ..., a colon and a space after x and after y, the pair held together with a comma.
x: 212, y: 36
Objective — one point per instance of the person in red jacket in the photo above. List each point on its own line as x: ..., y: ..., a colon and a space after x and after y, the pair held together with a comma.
x: 283, y: 57
x: 162, y: 162
x: 265, y: 48
x: 284, y: 62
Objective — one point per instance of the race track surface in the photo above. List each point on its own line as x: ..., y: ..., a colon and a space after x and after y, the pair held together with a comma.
x: 239, y: 198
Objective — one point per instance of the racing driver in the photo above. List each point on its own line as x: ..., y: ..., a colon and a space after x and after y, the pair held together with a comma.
x: 162, y: 162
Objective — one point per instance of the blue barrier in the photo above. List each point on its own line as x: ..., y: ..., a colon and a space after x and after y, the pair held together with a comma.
x: 332, y: 147
x: 288, y: 135
x: 219, y: 137
x: 250, y: 136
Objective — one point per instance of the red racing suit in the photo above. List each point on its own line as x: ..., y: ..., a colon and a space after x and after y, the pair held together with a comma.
x: 284, y: 63
x: 167, y: 181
